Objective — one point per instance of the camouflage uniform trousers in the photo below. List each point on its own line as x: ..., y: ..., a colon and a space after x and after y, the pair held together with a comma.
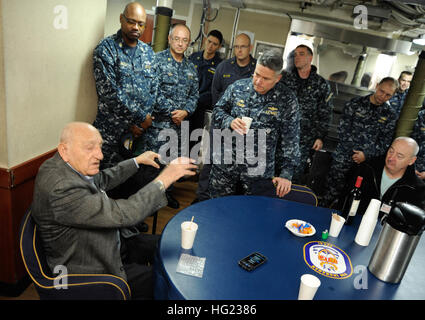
x: 229, y: 180
x: 336, y: 180
x: 298, y: 177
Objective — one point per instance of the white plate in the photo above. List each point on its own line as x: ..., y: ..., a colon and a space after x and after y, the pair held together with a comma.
x: 295, y: 231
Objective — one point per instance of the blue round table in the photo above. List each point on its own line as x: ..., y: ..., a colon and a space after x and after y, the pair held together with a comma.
x: 231, y: 228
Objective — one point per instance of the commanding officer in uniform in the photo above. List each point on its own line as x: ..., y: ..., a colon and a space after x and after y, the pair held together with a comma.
x: 398, y: 98
x: 125, y: 83
x: 366, y: 130
x: 274, y: 112
x: 241, y: 66
x: 314, y: 98
x: 206, y: 62
x: 177, y: 92
x: 419, y: 135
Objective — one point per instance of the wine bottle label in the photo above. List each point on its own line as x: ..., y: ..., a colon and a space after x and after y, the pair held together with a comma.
x: 354, y: 207
x: 385, y: 208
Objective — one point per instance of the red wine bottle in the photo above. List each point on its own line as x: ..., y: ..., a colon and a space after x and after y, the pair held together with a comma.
x: 352, y: 201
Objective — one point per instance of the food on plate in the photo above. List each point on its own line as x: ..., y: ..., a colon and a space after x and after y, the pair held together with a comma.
x: 303, y: 228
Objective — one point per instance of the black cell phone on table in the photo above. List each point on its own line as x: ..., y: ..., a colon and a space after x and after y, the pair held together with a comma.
x: 253, y: 261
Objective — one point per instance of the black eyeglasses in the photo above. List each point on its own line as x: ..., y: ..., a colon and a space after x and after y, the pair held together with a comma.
x: 139, y: 24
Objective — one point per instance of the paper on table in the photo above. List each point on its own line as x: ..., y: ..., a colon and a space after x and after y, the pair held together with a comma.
x: 191, y: 265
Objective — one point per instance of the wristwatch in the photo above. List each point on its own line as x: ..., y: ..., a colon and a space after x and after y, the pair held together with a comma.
x: 161, y: 185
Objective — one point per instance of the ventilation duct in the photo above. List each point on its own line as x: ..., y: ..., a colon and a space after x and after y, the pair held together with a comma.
x: 350, y: 36
x: 237, y: 4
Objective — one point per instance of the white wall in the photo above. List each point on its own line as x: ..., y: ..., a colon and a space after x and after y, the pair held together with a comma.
x: 3, y: 127
x: 48, y: 77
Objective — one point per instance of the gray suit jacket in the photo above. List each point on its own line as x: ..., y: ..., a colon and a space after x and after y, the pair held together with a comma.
x: 79, y: 223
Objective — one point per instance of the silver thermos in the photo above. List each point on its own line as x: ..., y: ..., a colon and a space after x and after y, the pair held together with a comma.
x: 403, y: 228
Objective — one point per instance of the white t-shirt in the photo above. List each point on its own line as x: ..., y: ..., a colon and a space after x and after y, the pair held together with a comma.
x: 386, y: 182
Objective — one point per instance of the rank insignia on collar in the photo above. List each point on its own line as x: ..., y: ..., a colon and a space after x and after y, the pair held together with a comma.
x: 241, y: 103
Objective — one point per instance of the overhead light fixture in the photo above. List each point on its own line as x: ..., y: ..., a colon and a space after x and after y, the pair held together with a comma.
x: 420, y: 40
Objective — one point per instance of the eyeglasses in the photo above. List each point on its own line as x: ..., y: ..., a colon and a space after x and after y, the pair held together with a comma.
x: 139, y: 24
x: 177, y: 39
x: 240, y: 47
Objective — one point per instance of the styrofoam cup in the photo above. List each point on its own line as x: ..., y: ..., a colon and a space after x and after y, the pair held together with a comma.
x: 337, y: 223
x: 308, y: 287
x: 247, y: 121
x: 189, y: 229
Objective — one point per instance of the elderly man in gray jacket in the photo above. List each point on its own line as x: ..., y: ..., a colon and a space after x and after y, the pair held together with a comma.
x: 80, y: 225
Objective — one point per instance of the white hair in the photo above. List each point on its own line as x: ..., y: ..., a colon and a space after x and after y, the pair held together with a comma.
x: 411, y: 142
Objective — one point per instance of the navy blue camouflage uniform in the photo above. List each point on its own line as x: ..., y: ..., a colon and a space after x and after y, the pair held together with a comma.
x: 206, y: 70
x: 277, y: 113
x: 227, y: 73
x: 177, y: 90
x: 315, y: 101
x: 419, y: 135
x: 397, y: 101
x: 126, y: 88
x: 365, y: 127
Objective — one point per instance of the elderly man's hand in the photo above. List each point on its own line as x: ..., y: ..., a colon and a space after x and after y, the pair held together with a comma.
x: 148, y: 158
x: 177, y: 168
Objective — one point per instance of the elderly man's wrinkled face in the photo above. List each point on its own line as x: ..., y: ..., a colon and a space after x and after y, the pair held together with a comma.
x: 399, y: 157
x: 83, y: 151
